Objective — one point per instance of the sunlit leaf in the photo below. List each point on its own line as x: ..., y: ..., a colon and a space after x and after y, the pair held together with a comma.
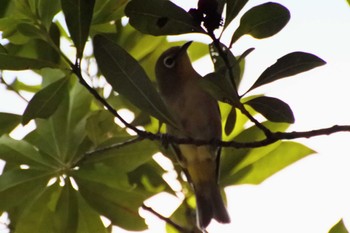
x: 262, y: 21
x: 128, y: 78
x: 159, y: 17
x: 8, y: 122
x: 272, y: 108
x: 47, y: 10
x: 233, y: 8
x: 10, y: 62
x: 78, y: 15
x: 339, y: 228
x: 45, y: 102
x: 288, y: 65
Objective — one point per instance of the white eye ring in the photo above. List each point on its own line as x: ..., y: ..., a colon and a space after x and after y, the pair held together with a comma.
x: 169, y: 61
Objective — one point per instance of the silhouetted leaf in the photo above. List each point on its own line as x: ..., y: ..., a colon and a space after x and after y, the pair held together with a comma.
x: 45, y: 102
x: 339, y: 228
x: 230, y: 121
x: 128, y: 78
x: 262, y: 21
x: 288, y: 65
x: 8, y: 122
x: 10, y: 62
x: 273, y: 109
x: 232, y: 9
x: 78, y: 15
x: 159, y: 17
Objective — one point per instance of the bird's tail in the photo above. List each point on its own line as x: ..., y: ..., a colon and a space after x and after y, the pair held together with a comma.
x: 208, y: 197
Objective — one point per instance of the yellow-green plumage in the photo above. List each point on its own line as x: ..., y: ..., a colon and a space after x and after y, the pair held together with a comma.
x: 198, y: 117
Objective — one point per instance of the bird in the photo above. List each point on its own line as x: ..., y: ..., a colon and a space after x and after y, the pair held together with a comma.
x: 197, y: 116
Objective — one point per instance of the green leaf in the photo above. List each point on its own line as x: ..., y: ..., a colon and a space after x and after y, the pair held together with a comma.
x: 107, y: 11
x: 47, y: 10
x: 220, y: 87
x: 160, y: 17
x: 119, y: 206
x: 272, y: 109
x: 348, y: 1
x: 8, y: 122
x: 45, y: 102
x: 89, y: 219
x: 232, y: 9
x: 21, y: 152
x: 66, y: 211
x: 261, y: 163
x: 339, y: 228
x: 128, y: 78
x: 230, y: 121
x: 288, y: 65
x: 31, y: 30
x: 262, y: 21
x: 10, y: 62
x: 78, y: 15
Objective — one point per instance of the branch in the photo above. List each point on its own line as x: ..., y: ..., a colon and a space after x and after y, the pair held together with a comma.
x: 167, y: 220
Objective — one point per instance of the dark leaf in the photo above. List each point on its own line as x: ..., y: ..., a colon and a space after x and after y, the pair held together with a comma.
x: 273, y: 109
x: 159, y: 17
x: 288, y: 65
x: 232, y: 9
x: 128, y: 78
x: 339, y: 228
x: 78, y: 15
x: 45, y: 102
x: 10, y: 62
x: 8, y: 122
x: 262, y: 21
x: 230, y: 121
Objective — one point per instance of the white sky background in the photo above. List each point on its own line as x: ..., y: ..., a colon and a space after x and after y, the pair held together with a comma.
x: 314, y: 193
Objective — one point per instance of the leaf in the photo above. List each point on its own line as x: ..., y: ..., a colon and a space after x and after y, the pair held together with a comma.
x: 45, y: 102
x: 262, y: 21
x: 10, y: 62
x: 129, y: 79
x: 232, y: 9
x: 47, y: 10
x: 262, y: 163
x: 230, y: 121
x: 339, y: 228
x: 119, y: 206
x: 31, y: 30
x: 288, y: 65
x: 220, y: 87
x: 272, y: 109
x: 78, y: 15
x: 160, y: 17
x: 8, y: 122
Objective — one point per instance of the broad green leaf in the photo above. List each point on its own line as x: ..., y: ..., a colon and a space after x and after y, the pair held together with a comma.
x: 348, y: 1
x: 160, y: 17
x: 10, y: 62
x: 339, y: 228
x: 233, y: 7
x: 31, y: 30
x: 89, y: 219
x: 119, y: 206
x: 107, y: 11
x: 39, y: 215
x: 220, y: 87
x: 259, y: 165
x: 272, y: 109
x: 288, y: 65
x: 3, y: 49
x: 8, y: 122
x: 262, y: 21
x: 230, y: 121
x: 129, y: 79
x: 21, y: 152
x: 45, y: 102
x: 47, y: 10
x: 125, y: 158
x: 221, y: 66
x: 78, y: 15
x: 66, y: 211
x: 14, y: 183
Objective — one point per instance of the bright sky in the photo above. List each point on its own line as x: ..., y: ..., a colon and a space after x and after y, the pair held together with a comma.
x: 314, y: 193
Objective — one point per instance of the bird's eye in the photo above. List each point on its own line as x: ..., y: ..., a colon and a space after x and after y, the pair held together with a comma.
x: 169, y: 62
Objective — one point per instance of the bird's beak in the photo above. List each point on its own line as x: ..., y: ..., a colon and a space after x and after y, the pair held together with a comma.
x: 183, y: 48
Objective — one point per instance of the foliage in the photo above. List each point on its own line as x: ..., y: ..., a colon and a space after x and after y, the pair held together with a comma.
x: 77, y: 164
